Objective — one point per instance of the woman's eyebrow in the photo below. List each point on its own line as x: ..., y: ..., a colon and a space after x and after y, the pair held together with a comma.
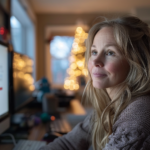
x: 107, y: 45
x: 111, y: 44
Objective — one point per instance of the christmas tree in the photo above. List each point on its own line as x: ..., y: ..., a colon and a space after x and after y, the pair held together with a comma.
x: 76, y: 68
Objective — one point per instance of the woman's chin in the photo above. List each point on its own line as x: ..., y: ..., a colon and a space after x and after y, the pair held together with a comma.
x: 98, y: 86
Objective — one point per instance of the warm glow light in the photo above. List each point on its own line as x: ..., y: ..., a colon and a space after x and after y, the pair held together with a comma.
x: 73, y: 66
x: 21, y: 64
x: 66, y: 87
x: 82, y: 40
x: 85, y: 35
x: 74, y: 51
x: 70, y: 71
x: 76, y: 60
x: 20, y: 74
x: 31, y: 87
x: 29, y: 78
x: 29, y: 69
x: 75, y: 45
x: 30, y: 62
x: 76, y: 36
x: 76, y: 40
x: 76, y: 86
x: 77, y: 72
x: 73, y: 78
x: 82, y: 49
x: 53, y: 118
x: 80, y: 64
x: 67, y: 82
x: 79, y: 30
x: 71, y: 87
x: 71, y: 83
x: 80, y: 57
x: 72, y: 58
x: 85, y: 72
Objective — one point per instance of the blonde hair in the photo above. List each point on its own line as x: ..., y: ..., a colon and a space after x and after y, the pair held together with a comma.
x: 133, y: 39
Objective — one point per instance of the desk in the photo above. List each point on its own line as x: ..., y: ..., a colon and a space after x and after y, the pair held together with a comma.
x: 37, y: 132
x: 6, y: 147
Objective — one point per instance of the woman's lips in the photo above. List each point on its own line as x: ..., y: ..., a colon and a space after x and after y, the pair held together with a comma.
x: 99, y: 75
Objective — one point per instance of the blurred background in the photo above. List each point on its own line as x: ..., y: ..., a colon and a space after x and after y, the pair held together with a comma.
x: 46, y: 42
x: 45, y: 30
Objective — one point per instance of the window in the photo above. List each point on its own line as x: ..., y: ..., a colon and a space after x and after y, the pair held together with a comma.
x: 22, y: 31
x: 60, y: 49
x: 16, y: 33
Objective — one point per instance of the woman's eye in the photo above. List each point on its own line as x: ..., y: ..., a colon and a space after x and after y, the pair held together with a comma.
x: 110, y: 53
x: 93, y: 52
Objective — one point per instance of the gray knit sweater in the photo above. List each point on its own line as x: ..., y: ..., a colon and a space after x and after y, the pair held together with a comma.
x: 131, y: 131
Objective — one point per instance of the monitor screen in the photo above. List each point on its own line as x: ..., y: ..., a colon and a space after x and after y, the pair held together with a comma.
x: 23, y: 82
x: 4, y: 88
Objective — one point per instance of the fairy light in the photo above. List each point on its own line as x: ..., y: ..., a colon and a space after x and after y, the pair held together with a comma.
x: 77, y: 60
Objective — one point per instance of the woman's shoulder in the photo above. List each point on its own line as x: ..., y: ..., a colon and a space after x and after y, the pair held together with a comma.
x: 132, y: 128
x: 138, y: 106
x: 136, y: 114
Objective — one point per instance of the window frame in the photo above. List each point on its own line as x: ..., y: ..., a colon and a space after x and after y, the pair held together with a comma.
x: 50, y: 31
x: 28, y: 22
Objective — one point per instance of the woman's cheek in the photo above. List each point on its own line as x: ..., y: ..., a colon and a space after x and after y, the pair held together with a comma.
x: 114, y: 68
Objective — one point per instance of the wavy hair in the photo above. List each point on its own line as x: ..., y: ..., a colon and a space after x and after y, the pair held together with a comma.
x: 133, y: 39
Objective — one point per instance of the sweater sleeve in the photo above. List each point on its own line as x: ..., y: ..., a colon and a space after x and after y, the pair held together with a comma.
x: 132, y: 129
x: 77, y: 139
x: 125, y: 138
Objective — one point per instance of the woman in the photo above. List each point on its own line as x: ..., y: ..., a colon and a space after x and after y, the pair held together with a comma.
x: 118, y: 61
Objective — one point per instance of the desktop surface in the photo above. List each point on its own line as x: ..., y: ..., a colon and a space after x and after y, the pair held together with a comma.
x: 38, y: 132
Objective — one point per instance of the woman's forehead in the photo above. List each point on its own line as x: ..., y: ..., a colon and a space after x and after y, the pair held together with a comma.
x: 105, y: 35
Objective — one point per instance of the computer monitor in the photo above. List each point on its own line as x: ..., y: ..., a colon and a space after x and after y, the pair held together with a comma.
x: 22, y: 81
x: 4, y: 88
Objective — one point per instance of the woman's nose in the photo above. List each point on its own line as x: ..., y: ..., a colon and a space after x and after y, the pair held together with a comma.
x: 98, y: 62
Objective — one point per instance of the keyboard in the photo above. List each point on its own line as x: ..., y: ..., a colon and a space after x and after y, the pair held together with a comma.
x: 29, y: 145
x: 60, y: 125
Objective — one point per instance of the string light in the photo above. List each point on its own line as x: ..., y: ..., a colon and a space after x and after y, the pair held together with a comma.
x: 23, y: 69
x: 77, y: 60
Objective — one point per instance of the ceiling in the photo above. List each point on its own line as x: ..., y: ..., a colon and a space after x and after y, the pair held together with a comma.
x: 87, y: 6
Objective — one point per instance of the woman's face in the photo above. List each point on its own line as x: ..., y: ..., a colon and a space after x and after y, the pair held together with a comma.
x: 106, y: 65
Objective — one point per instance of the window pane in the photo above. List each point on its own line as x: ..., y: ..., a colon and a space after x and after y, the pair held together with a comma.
x: 60, y: 49
x: 60, y: 46
x: 16, y: 32
x: 59, y: 67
